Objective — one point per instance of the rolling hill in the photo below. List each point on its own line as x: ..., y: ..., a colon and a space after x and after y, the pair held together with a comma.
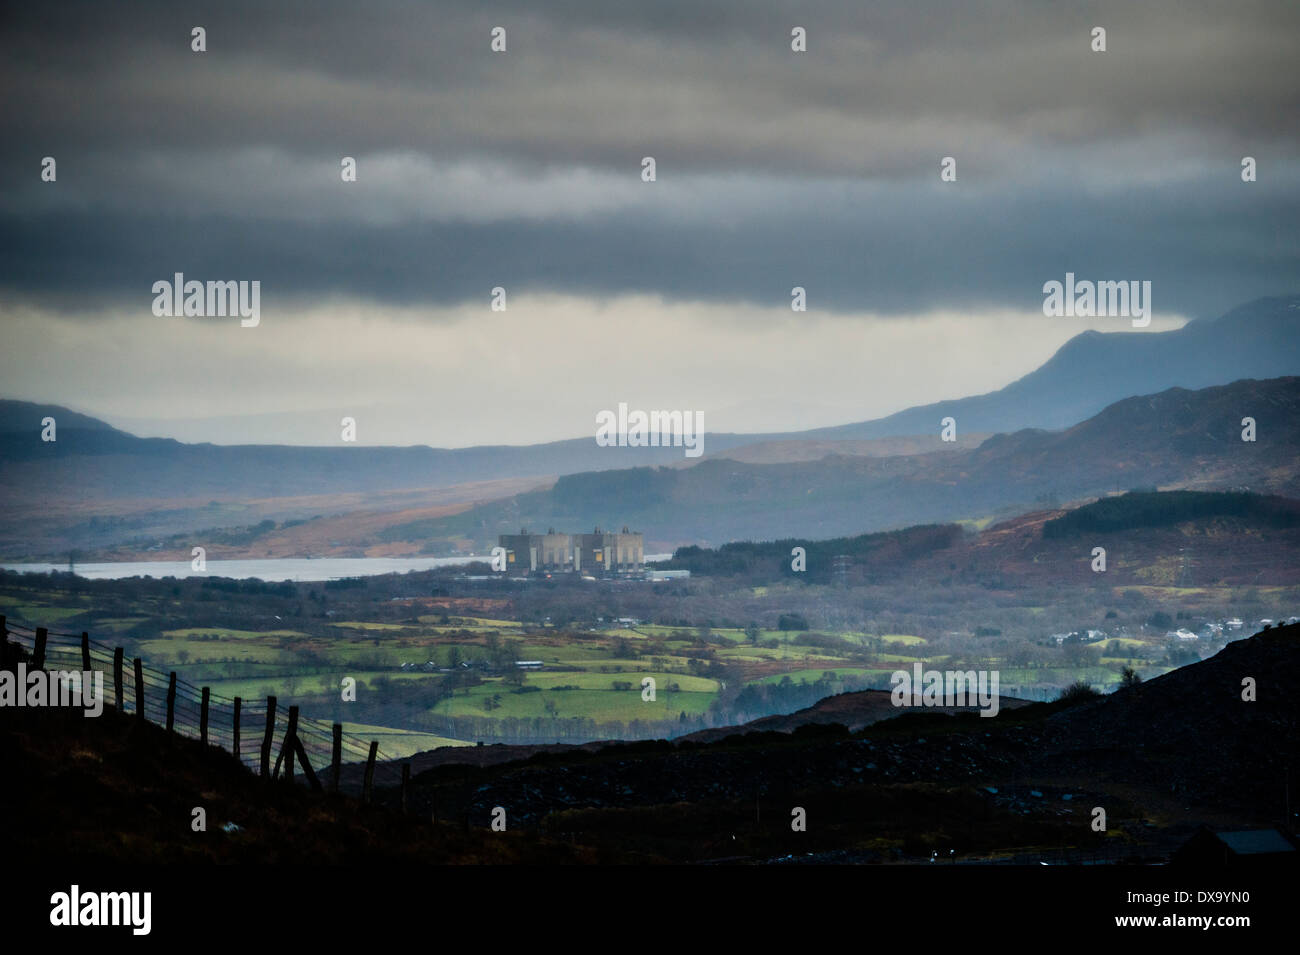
x: 1175, y: 439
x: 101, y: 489
x: 1091, y: 371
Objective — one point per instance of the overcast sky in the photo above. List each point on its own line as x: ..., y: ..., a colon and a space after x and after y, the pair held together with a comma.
x: 522, y: 170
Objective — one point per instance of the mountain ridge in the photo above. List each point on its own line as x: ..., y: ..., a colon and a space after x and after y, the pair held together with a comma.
x: 1256, y: 340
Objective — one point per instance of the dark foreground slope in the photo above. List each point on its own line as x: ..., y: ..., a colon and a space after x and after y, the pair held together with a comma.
x: 1161, y: 759
x: 113, y: 790
x: 854, y: 711
x: 1190, y: 732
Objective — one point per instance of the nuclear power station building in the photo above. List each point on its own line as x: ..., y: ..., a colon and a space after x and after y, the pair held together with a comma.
x: 598, y: 554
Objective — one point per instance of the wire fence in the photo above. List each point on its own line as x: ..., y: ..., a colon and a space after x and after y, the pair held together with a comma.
x: 185, y: 710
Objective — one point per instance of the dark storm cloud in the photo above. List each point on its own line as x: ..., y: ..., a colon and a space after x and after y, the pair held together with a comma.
x: 709, y: 89
x: 712, y: 84
x: 918, y: 247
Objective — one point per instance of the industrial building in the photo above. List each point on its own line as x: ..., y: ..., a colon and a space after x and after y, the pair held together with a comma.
x: 598, y: 554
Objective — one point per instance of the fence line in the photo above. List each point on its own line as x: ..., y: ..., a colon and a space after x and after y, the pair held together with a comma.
x: 195, y: 712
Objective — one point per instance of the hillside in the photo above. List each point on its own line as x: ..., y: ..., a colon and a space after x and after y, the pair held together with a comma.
x: 855, y: 711
x: 100, y: 488
x: 1090, y: 371
x: 1166, y: 732
x: 1164, y: 538
x: 1163, y: 758
x: 1175, y: 439
x: 113, y: 791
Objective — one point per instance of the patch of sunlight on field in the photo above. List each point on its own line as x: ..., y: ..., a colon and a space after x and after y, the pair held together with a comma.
x: 812, y: 676
x: 661, y: 630
x: 487, y: 621
x: 472, y: 629
x: 400, y: 743
x: 1156, y: 590
x: 909, y: 639
x: 596, y: 664
x: 255, y: 688
x: 362, y: 625
x: 601, y: 705
x: 750, y: 652
x: 224, y: 634
x: 732, y: 634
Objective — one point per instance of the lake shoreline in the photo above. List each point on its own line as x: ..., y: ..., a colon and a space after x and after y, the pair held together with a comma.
x: 270, y: 569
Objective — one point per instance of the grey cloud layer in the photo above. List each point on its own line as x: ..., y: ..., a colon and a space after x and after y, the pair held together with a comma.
x: 712, y: 85
x: 778, y: 149
x: 908, y: 249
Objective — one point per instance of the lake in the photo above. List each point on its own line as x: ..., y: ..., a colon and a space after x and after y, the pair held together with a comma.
x: 276, y: 569
x: 272, y: 569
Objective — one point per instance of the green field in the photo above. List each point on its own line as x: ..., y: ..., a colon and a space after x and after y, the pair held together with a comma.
x: 592, y: 673
x: 398, y: 743
x: 603, y: 705
x: 906, y: 638
x: 812, y: 676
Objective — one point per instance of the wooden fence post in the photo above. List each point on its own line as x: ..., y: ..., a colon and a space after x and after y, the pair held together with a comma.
x: 234, y: 726
x: 367, y: 787
x: 139, y: 689
x: 171, y: 701
x: 406, y: 783
x: 269, y: 737
x: 38, y: 652
x: 290, y: 734
x: 306, y: 763
x: 117, y: 678
x: 336, y: 758
x: 85, y: 651
x: 203, y: 718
